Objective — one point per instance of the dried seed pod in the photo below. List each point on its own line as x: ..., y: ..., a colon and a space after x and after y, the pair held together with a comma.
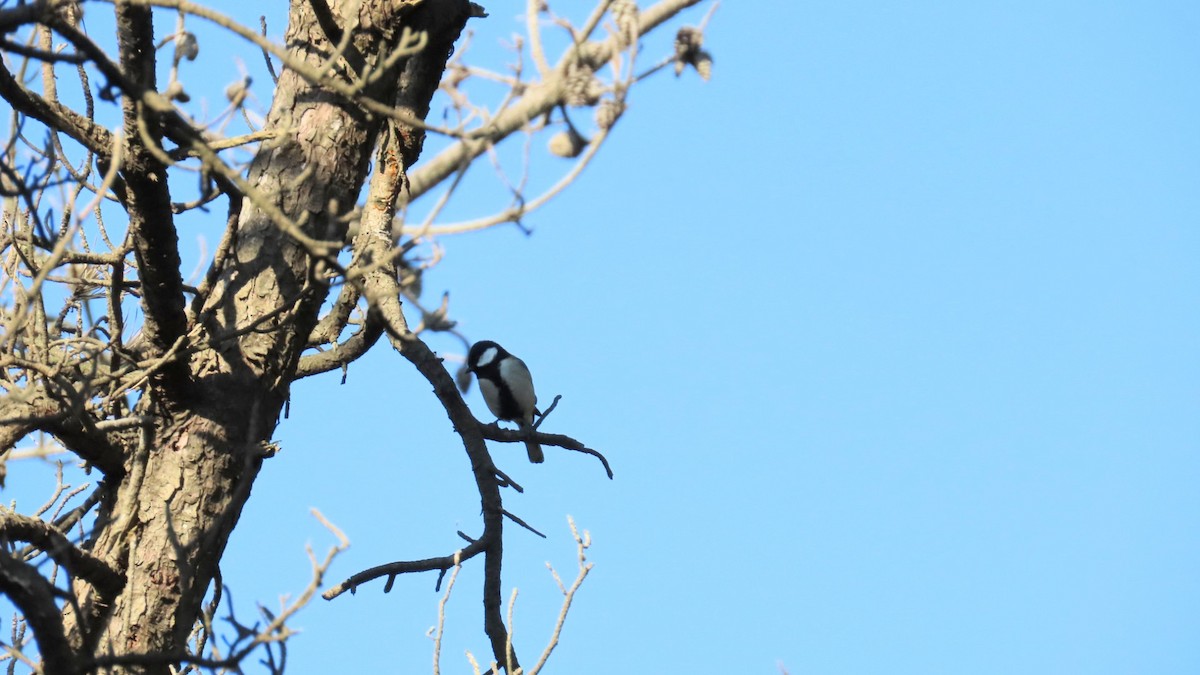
x: 625, y: 13
x: 608, y: 112
x: 687, y: 41
x: 687, y: 44
x: 582, y: 88
x: 186, y: 47
x: 688, y: 53
x: 703, y: 64
x: 567, y: 144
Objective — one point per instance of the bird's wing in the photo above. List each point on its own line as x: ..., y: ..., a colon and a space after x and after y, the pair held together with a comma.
x: 520, y: 383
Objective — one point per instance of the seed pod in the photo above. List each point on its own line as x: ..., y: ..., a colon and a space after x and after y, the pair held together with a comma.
x: 608, y: 112
x: 567, y: 144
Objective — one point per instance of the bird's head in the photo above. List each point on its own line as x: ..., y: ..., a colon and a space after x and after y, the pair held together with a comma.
x: 482, y: 354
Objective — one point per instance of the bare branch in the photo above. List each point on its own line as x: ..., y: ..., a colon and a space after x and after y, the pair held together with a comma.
x: 54, y: 115
x: 382, y: 291
x: 276, y: 630
x: 522, y: 208
x: 513, y: 517
x: 145, y: 194
x: 36, y: 409
x: 394, y: 569
x: 342, y: 354
x: 581, y: 543
x: 441, y: 620
x: 494, y: 432
x: 537, y: 102
x: 534, y: 28
x: 34, y: 597
x: 80, y: 563
x: 354, y: 92
x: 177, y: 404
x: 332, y: 324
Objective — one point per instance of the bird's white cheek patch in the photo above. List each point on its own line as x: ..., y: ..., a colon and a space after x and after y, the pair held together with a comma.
x: 486, y: 357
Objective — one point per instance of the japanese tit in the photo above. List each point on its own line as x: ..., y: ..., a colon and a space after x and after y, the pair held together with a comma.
x: 507, y: 388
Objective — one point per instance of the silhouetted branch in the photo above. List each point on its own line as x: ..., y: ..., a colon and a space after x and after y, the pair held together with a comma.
x: 34, y: 597
x: 394, y: 569
x: 80, y: 563
x: 55, y: 115
x: 176, y: 404
x: 494, y: 432
x: 511, y: 516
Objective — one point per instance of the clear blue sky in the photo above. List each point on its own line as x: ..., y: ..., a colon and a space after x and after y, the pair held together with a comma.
x: 889, y: 331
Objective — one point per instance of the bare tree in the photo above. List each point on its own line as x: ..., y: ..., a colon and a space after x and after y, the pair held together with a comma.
x: 175, y: 411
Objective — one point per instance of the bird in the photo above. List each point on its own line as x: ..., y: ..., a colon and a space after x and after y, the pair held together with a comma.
x: 507, y: 389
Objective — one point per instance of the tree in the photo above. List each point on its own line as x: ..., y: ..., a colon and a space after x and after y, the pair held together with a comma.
x: 175, y: 411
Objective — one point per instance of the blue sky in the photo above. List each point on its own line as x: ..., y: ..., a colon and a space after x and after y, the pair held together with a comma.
x: 889, y: 332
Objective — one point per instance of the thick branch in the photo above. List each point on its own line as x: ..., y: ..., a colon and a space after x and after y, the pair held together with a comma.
x: 343, y: 354
x: 34, y: 597
x: 486, y: 482
x: 148, y: 197
x: 382, y: 292
x: 54, y: 115
x: 400, y: 148
x: 198, y: 475
x: 25, y: 13
x: 80, y: 563
x: 32, y: 409
x: 144, y: 190
x: 89, y: 443
x: 305, y: 176
x: 16, y: 422
x: 335, y: 321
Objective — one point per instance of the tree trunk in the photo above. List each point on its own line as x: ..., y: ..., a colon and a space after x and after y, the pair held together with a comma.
x: 167, y: 519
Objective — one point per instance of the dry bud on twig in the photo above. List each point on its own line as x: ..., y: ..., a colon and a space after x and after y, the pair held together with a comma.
x: 688, y: 52
x: 567, y: 143
x: 582, y: 87
x: 608, y: 112
x: 625, y: 13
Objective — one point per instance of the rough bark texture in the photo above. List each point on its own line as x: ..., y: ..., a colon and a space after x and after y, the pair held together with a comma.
x: 211, y: 368
x: 167, y: 521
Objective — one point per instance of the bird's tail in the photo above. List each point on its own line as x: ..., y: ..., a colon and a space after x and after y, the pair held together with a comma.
x: 531, y: 446
x: 535, y: 452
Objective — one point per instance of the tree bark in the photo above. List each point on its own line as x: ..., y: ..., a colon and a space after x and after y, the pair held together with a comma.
x: 166, y: 521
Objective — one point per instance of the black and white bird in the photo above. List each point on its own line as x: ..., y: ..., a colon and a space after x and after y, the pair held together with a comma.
x: 507, y: 388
